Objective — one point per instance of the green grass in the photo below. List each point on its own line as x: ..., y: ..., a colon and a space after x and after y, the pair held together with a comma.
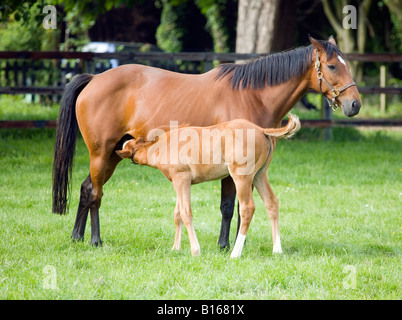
x: 340, y: 223
x: 17, y: 108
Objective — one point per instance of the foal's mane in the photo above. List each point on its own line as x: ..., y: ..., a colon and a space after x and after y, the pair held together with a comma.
x: 274, y: 68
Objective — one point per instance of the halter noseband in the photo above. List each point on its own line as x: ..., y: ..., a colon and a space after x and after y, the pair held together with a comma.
x: 335, y: 92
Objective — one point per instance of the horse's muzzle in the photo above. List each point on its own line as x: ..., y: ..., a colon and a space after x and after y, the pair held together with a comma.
x: 351, y: 108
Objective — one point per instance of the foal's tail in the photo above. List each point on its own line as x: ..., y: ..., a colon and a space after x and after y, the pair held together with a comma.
x: 66, y: 135
x: 286, y: 132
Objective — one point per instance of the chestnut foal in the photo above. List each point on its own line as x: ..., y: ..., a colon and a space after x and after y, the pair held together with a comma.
x: 198, y: 160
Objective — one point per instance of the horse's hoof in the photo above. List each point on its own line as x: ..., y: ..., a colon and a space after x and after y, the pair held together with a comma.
x: 224, y: 246
x: 97, y: 243
x: 77, y: 239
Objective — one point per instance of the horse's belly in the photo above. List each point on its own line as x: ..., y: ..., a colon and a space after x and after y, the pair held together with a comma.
x: 208, y: 172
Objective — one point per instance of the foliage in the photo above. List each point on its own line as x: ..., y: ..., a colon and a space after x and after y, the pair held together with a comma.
x: 18, y: 34
x: 18, y: 108
x: 175, y: 23
x: 169, y: 34
x: 216, y: 22
x: 21, y: 10
x: 22, y: 29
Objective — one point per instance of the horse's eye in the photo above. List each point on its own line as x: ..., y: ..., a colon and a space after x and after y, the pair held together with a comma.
x: 331, y: 67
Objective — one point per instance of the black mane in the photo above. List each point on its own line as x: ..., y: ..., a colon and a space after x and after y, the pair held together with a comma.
x: 274, y: 68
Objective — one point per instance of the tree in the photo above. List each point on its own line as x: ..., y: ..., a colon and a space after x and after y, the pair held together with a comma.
x: 182, y: 21
x: 395, y: 8
x: 265, y: 25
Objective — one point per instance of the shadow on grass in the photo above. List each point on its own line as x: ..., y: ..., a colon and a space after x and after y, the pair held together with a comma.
x: 341, y: 249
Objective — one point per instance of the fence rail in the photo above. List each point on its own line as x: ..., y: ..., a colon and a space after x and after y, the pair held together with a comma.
x: 24, y: 72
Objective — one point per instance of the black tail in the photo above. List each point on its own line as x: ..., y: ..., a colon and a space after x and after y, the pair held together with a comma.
x: 66, y: 136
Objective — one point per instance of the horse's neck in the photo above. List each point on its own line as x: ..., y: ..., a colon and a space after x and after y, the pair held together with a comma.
x: 277, y: 101
x: 141, y: 156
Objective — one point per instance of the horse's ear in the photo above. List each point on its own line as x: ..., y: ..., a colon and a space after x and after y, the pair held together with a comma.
x: 331, y: 40
x: 317, y: 45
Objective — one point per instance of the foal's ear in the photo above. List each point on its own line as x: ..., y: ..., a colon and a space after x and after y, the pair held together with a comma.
x: 317, y: 45
x: 331, y: 40
x: 124, y: 153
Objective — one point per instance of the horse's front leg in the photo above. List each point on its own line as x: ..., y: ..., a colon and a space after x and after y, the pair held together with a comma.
x: 228, y: 195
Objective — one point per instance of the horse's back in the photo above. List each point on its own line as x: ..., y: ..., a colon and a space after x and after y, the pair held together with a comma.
x: 134, y: 97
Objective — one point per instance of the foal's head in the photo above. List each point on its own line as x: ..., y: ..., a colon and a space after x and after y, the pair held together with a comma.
x: 332, y: 77
x: 127, y: 151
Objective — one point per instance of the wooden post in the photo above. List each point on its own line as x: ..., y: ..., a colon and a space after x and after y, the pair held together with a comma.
x: 383, y: 83
x: 207, y: 66
x: 326, y: 114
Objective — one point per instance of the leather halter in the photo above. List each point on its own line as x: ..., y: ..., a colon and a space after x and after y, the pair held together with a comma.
x: 335, y: 92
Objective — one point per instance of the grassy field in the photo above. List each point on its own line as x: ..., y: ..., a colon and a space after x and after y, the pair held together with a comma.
x: 340, y: 222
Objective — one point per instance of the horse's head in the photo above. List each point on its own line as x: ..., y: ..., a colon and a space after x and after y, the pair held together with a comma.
x: 331, y: 77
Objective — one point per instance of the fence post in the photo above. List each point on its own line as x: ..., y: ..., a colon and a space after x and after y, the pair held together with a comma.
x: 88, y: 66
x: 383, y: 84
x: 326, y: 114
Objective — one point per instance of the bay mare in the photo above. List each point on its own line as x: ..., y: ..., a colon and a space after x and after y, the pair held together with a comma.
x: 128, y: 101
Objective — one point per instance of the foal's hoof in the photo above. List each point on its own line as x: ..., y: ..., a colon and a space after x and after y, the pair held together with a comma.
x: 277, y: 249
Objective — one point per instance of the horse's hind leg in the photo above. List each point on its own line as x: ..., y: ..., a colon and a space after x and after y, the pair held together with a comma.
x: 178, y: 222
x: 247, y: 208
x: 88, y: 199
x: 271, y: 205
x: 83, y: 208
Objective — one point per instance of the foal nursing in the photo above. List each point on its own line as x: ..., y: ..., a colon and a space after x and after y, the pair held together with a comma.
x: 237, y: 148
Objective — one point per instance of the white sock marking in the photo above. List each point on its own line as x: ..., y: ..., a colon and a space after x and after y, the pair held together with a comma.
x: 236, y: 253
x: 277, y: 246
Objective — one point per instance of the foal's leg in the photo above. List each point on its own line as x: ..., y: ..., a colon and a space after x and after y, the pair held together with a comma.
x: 247, y: 208
x: 178, y: 222
x: 182, y: 186
x: 228, y: 195
x: 271, y: 205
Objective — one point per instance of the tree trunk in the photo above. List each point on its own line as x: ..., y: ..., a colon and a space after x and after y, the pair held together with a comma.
x: 255, y: 25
